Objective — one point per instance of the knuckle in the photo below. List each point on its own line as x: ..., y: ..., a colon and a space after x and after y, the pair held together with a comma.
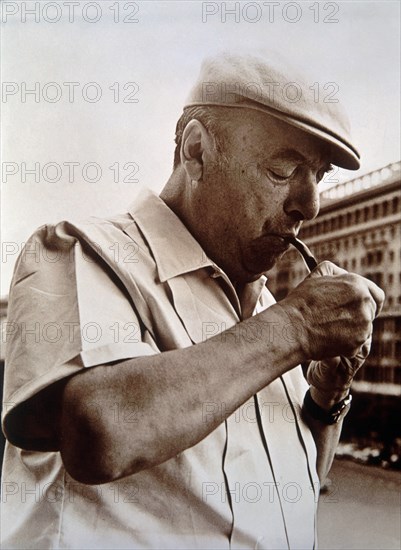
x: 326, y: 264
x: 354, y: 279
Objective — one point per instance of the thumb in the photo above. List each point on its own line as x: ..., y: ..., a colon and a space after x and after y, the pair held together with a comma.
x: 326, y: 268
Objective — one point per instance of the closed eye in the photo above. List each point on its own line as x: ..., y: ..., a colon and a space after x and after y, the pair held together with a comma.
x: 278, y: 178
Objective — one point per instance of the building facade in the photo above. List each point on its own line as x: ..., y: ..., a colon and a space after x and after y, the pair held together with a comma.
x: 359, y: 228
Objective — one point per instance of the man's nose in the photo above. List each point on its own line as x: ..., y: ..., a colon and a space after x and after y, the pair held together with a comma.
x: 302, y: 202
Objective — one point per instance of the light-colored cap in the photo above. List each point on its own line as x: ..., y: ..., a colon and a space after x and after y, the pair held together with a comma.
x: 271, y: 86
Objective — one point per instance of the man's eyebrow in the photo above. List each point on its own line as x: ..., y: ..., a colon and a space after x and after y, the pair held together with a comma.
x: 293, y: 155
x: 288, y: 154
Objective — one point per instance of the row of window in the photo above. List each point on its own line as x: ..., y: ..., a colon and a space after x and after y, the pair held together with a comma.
x: 292, y: 267
x: 375, y: 237
x: 370, y: 373
x: 391, y: 302
x: 340, y: 221
x: 372, y: 258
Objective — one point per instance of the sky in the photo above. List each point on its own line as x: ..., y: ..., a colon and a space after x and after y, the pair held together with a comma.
x: 109, y: 80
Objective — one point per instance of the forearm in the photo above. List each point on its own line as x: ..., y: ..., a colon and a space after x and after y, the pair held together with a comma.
x: 167, y: 394
x: 326, y: 441
x: 326, y: 436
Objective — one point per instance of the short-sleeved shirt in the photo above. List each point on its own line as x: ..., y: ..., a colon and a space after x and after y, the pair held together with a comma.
x: 103, y: 291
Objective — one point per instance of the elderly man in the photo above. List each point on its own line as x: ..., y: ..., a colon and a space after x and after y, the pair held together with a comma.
x: 154, y: 397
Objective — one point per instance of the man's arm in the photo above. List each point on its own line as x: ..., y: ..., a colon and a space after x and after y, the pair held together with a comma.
x: 326, y: 436
x: 330, y: 381
x: 163, y: 398
x: 166, y: 393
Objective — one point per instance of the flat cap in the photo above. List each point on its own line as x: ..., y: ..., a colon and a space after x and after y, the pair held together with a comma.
x: 273, y: 87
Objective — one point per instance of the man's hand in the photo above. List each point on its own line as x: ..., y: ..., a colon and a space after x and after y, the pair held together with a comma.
x: 337, y: 373
x: 335, y: 310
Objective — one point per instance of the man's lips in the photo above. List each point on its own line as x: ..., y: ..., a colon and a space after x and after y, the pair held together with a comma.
x: 287, y: 238
x: 261, y: 254
x: 271, y: 244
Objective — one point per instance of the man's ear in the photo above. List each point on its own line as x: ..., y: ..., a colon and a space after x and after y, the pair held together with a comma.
x: 196, y: 140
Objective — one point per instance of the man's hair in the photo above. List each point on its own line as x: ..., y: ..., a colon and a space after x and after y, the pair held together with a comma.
x: 212, y: 118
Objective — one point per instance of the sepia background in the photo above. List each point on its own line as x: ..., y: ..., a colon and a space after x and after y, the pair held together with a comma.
x: 90, y: 97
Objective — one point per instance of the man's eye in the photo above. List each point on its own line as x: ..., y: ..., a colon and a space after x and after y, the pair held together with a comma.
x: 278, y: 177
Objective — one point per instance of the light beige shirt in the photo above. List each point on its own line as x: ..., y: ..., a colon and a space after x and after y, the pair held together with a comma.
x: 139, y: 284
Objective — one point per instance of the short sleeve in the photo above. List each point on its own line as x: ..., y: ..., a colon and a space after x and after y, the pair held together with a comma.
x: 67, y: 311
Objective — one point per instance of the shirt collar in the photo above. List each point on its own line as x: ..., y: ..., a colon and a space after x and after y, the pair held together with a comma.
x: 174, y: 248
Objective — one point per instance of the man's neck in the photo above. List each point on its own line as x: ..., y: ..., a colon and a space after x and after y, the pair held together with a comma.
x: 179, y: 197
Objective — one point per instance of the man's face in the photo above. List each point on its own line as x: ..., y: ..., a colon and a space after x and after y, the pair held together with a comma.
x: 259, y: 193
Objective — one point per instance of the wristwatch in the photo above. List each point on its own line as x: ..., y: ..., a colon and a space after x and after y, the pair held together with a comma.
x: 333, y: 416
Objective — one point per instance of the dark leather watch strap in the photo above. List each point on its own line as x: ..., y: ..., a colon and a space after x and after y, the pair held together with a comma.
x: 327, y: 417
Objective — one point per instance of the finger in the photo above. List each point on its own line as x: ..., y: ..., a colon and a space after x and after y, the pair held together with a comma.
x: 364, y: 350
x: 327, y: 268
x: 377, y: 295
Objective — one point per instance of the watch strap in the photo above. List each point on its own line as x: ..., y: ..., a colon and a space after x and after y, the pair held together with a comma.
x: 332, y: 416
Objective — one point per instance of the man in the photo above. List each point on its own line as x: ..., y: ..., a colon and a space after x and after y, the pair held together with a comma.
x: 161, y: 403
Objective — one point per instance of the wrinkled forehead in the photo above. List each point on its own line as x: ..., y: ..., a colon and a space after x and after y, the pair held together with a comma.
x: 273, y: 139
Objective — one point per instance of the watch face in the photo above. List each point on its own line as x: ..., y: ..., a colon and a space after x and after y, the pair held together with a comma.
x: 333, y: 416
x: 342, y: 409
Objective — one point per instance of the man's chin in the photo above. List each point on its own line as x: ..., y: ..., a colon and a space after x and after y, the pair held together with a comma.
x: 262, y: 266
x: 261, y: 255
